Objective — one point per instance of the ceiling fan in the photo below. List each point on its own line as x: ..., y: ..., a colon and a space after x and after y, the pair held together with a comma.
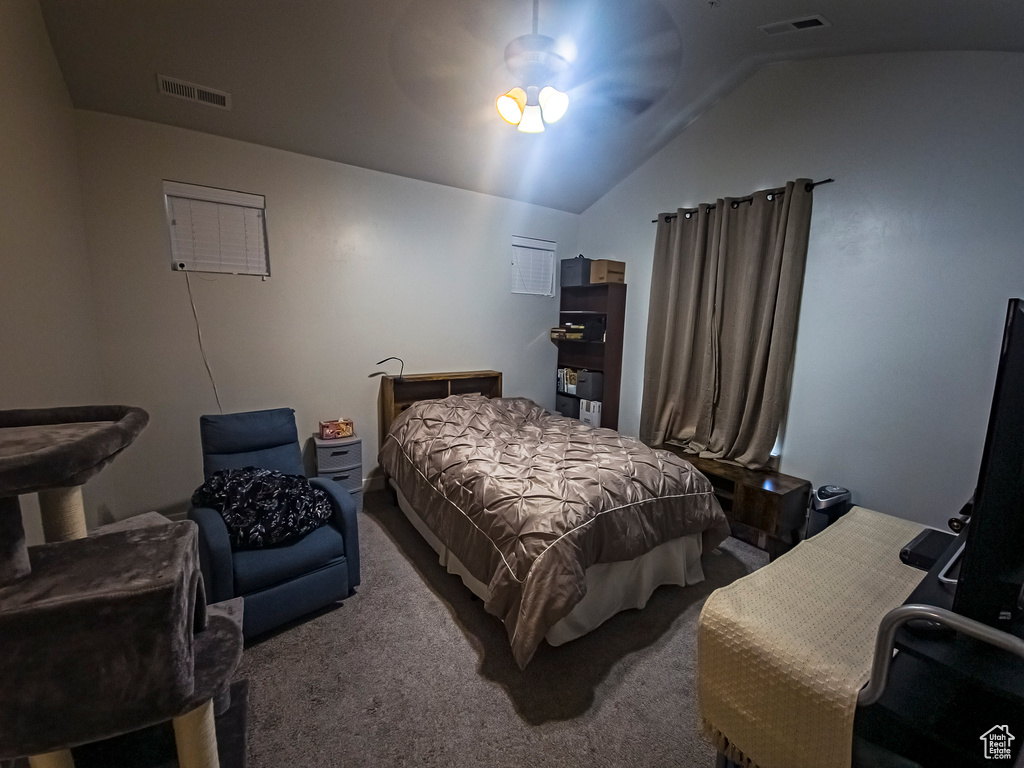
x: 612, y: 60
x: 535, y: 61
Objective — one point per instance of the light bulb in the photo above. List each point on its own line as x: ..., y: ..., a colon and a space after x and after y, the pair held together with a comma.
x: 553, y: 103
x: 508, y: 109
x: 531, y: 122
x: 510, y: 105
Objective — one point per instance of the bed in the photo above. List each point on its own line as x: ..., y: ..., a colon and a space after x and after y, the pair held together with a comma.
x: 554, y: 524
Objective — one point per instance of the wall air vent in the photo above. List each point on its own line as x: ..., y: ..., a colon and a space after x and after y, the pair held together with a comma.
x: 794, y: 25
x: 180, y: 89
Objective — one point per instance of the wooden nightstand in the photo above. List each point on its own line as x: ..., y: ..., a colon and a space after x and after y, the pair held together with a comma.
x: 766, y: 509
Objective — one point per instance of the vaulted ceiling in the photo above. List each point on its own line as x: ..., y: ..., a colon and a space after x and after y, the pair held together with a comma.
x: 408, y: 86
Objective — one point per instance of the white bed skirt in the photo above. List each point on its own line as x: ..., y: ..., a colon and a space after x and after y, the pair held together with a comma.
x: 611, y: 587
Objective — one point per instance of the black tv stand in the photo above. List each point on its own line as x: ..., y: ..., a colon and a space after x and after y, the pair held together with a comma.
x: 945, y: 691
x: 931, y: 591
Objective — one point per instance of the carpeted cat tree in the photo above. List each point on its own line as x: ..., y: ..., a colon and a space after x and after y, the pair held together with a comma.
x: 100, y: 634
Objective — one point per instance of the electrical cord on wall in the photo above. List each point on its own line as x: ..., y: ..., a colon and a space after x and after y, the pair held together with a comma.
x: 202, y: 350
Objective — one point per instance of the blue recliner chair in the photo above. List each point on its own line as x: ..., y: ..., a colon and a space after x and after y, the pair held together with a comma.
x: 284, y: 582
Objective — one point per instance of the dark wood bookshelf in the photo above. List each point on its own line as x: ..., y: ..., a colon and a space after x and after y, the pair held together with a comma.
x: 607, y: 300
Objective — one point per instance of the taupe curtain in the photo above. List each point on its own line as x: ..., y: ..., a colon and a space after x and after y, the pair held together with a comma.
x: 721, y: 332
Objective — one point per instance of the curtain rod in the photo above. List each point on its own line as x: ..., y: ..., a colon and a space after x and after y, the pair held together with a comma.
x: 735, y: 203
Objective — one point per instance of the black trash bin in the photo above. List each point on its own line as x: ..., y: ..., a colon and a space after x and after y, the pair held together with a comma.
x: 828, y: 504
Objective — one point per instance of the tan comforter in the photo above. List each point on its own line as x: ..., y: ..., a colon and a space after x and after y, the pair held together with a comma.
x: 527, y: 500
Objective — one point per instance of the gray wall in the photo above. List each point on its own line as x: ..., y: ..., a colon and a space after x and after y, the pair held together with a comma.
x: 364, y: 265
x: 49, y: 351
x: 48, y: 345
x: 914, y: 252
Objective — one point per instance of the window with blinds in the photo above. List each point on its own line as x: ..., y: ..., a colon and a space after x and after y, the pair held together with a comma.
x: 533, y: 266
x: 216, y: 230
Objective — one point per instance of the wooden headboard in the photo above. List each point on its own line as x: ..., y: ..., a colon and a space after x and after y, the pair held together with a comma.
x: 398, y: 393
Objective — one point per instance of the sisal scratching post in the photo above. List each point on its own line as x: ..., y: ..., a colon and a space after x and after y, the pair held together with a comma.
x: 53, y: 451
x: 63, y: 513
x: 196, y: 738
x: 59, y: 759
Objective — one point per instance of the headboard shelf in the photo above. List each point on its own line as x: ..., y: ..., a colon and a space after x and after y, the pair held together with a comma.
x: 398, y: 393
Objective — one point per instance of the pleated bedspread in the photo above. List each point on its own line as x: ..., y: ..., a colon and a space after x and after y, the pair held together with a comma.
x: 527, y: 500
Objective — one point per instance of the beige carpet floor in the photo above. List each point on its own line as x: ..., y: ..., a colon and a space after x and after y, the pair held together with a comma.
x: 411, y: 671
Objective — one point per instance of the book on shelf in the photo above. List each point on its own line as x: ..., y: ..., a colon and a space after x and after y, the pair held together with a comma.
x: 563, y: 333
x: 566, y: 381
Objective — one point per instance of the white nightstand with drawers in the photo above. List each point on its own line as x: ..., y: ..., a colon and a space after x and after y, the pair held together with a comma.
x: 342, y: 461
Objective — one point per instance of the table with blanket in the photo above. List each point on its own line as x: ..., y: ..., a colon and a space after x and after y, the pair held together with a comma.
x: 783, y: 652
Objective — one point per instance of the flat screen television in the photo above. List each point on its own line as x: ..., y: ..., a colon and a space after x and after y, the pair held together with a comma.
x: 992, y: 568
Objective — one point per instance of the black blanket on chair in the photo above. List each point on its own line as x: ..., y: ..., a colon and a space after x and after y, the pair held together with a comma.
x: 262, y: 508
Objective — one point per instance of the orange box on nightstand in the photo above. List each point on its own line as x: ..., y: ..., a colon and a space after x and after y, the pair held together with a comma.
x: 332, y: 430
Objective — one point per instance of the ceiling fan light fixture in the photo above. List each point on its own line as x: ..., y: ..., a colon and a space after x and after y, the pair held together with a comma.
x: 532, y: 121
x: 511, y: 105
x: 553, y: 103
x: 535, y: 61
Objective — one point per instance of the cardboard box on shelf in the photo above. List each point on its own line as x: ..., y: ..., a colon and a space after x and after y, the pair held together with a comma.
x: 607, y: 271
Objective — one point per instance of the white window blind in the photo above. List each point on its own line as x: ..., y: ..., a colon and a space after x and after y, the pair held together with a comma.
x: 533, y: 266
x: 216, y: 230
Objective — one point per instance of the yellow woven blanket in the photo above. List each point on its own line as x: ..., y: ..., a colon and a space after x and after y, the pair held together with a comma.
x: 783, y: 652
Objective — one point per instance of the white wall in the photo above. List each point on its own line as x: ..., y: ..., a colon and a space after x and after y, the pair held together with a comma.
x: 364, y: 265
x: 914, y: 251
x: 49, y: 353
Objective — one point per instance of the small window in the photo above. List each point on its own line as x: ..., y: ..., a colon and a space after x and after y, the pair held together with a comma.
x: 216, y: 230
x: 533, y: 266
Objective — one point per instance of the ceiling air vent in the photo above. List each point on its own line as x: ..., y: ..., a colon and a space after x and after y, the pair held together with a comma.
x: 182, y: 89
x: 794, y: 25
